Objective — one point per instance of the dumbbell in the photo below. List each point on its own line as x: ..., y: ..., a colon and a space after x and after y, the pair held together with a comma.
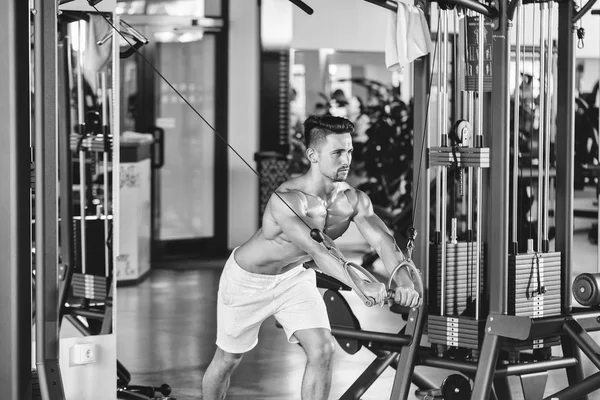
x: 150, y: 391
x: 586, y: 289
x: 454, y: 387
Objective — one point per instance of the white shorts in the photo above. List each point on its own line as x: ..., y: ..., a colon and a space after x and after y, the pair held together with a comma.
x: 246, y: 299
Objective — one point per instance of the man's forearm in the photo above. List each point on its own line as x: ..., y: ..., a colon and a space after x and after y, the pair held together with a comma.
x: 330, y: 266
x: 392, y: 256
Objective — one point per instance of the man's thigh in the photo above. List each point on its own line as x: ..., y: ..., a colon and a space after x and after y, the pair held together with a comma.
x: 300, y: 306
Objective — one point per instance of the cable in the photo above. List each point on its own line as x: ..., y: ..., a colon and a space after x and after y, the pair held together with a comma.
x: 197, y: 113
x: 415, y: 202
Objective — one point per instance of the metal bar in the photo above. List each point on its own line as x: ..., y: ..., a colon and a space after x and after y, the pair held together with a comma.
x: 82, y: 131
x: 482, y: 386
x: 15, y: 219
x: 408, y: 354
x: 421, y: 76
x: 587, y: 7
x: 510, y: 370
x: 565, y: 147
x: 497, y: 228
x: 516, y: 127
x: 420, y: 380
x: 583, y: 340
x: 369, y: 376
x: 46, y: 201
x: 65, y: 169
x: 480, y: 8
x: 574, y: 373
x: 478, y: 172
x: 442, y: 170
x: 445, y: 72
x: 115, y: 128
x: 98, y: 315
x: 78, y: 325
x: 541, y: 135
x: 583, y: 388
x: 548, y: 122
x: 379, y: 337
x: 105, y: 158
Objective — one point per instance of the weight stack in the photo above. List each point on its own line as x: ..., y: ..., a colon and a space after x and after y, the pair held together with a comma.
x: 96, y: 240
x: 460, y: 281
x: 455, y: 331
x: 534, y: 285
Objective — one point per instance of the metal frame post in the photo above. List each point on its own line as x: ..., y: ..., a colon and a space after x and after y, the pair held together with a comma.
x: 408, y: 354
x: 565, y: 126
x: 497, y: 227
x: 499, y: 140
x: 46, y: 200
x: 421, y: 179
x: 15, y: 218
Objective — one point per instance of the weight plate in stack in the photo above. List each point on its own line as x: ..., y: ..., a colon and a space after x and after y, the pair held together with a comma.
x: 476, y: 157
x: 455, y: 331
x: 90, y: 287
x: 460, y: 278
x: 529, y: 295
x: 531, y: 344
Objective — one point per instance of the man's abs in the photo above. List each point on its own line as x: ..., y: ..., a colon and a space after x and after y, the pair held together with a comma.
x: 261, y: 255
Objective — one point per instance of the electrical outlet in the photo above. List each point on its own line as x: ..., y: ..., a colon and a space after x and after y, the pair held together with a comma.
x: 83, y: 353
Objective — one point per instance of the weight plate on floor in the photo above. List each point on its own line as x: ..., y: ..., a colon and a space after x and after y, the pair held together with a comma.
x: 456, y: 387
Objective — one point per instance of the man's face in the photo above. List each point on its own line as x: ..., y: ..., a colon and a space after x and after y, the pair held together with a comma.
x: 335, y: 155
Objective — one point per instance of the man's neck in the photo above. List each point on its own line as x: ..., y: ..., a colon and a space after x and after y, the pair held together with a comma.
x: 320, y: 185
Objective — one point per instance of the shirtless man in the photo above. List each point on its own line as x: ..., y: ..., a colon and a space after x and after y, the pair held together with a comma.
x: 264, y: 277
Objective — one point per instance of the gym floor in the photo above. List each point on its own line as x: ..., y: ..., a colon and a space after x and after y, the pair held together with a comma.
x: 166, y: 330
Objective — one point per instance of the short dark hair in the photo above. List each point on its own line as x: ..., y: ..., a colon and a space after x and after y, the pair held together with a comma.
x: 316, y: 129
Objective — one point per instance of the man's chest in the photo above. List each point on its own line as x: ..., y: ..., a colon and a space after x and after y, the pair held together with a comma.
x: 333, y: 216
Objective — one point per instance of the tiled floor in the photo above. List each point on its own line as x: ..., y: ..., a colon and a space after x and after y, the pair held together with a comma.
x: 166, y: 331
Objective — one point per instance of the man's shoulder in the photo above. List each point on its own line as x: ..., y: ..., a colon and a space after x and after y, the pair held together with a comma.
x: 351, y: 193
x: 288, y: 196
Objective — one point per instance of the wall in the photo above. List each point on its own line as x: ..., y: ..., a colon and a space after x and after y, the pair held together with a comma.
x: 96, y: 381
x: 243, y: 119
x: 342, y: 25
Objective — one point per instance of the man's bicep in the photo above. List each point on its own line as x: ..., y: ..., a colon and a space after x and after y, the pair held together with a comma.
x: 367, y: 222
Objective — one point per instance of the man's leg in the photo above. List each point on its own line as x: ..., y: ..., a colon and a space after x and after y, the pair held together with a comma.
x: 216, y: 378
x: 318, y: 344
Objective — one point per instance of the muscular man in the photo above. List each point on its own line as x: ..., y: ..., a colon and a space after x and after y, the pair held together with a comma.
x: 264, y: 277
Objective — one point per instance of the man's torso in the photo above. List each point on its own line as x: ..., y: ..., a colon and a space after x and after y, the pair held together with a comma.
x: 270, y: 251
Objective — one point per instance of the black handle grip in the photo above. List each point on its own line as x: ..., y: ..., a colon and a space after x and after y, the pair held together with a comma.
x: 303, y: 6
x: 317, y: 235
x: 158, y: 147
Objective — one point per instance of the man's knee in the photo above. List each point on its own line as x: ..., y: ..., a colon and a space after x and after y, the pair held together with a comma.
x: 321, y: 350
x: 225, y: 361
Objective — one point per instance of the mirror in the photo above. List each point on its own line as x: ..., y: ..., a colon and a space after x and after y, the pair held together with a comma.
x: 88, y: 154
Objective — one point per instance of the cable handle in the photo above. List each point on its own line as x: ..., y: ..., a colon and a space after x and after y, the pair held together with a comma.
x: 318, y: 236
x: 413, y: 273
x: 369, y: 301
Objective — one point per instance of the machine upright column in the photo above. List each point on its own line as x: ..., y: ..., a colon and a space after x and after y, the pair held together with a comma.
x: 15, y: 219
x: 565, y: 146
x: 46, y: 201
x: 421, y: 178
x: 497, y: 226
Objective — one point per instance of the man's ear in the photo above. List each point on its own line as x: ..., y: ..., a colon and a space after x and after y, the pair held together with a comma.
x: 311, y: 154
